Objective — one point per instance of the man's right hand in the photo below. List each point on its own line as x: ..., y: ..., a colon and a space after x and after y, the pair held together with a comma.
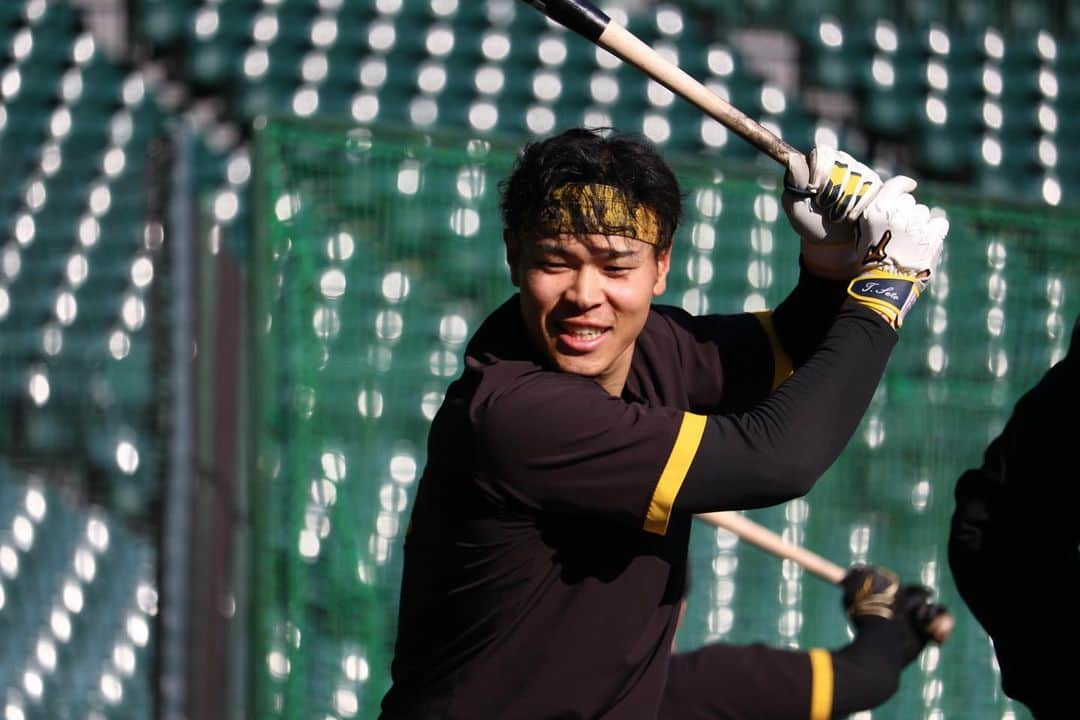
x: 903, y: 248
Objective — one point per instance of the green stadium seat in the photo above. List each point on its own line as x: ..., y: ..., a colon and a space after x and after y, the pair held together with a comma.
x: 521, y: 54
x: 467, y: 53
x: 46, y: 59
x: 528, y: 22
x: 102, y: 83
x: 946, y: 151
x: 580, y: 56
x: 264, y: 98
x: 643, y: 26
x: 888, y: 111
x: 1030, y: 18
x: 468, y: 17
x: 796, y: 127
x: 164, y: 22
x: 356, y: 14
x: 571, y: 113
x: 211, y: 63
x: 834, y: 56
x: 48, y: 429
x: 683, y: 121
x: 7, y: 32
x: 28, y: 94
x: 1022, y: 86
x: 342, y: 60
x: 11, y: 15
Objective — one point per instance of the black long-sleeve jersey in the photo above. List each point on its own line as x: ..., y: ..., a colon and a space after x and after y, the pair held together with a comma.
x: 1014, y: 542
x: 546, y: 553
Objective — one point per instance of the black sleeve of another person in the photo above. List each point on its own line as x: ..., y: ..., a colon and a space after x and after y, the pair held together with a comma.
x: 1013, y: 540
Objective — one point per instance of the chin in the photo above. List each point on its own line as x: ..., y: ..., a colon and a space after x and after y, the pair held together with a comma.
x: 586, y: 367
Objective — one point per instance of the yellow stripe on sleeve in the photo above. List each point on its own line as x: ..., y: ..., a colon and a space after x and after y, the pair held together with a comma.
x: 821, y: 684
x: 782, y: 367
x: 671, y: 479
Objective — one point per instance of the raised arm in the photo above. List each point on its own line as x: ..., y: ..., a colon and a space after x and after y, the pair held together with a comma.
x: 841, y: 213
x: 559, y: 442
x: 802, y: 427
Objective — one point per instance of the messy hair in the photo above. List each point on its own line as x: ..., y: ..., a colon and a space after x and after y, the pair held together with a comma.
x: 626, y: 162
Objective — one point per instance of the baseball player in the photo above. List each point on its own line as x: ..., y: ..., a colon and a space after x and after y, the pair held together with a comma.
x: 1014, y: 527
x: 547, y: 547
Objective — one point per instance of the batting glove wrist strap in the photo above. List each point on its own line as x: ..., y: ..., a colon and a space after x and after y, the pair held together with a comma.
x: 889, y: 294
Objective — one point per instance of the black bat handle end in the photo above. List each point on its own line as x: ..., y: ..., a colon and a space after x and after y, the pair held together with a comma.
x: 581, y: 16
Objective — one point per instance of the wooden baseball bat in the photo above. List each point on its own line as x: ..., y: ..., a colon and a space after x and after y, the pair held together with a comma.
x: 587, y: 20
x: 940, y: 627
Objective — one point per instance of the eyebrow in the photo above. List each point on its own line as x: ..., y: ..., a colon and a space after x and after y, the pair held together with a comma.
x: 560, y: 250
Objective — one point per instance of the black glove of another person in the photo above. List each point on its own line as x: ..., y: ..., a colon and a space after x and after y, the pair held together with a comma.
x: 889, y: 613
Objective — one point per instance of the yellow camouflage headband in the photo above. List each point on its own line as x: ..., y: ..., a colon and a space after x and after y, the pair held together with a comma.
x: 601, y: 207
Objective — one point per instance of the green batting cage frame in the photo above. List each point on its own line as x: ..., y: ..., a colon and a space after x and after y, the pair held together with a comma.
x: 377, y: 253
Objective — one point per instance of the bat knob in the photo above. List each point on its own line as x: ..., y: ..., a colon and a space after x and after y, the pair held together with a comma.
x: 798, y: 175
x: 941, y: 626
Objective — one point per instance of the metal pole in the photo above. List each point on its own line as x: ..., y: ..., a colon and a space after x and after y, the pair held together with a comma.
x: 176, y: 531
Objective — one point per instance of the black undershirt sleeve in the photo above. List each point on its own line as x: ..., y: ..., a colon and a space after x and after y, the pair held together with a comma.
x: 867, y: 672
x: 777, y: 450
x: 757, y: 682
x: 803, y: 319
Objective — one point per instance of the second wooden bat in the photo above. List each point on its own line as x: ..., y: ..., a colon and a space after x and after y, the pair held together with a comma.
x: 745, y: 528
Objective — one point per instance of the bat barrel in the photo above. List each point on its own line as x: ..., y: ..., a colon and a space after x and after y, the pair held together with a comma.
x: 584, y: 18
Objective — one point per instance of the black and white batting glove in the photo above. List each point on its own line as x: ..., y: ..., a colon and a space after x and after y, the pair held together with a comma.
x: 824, y: 202
x: 903, y: 248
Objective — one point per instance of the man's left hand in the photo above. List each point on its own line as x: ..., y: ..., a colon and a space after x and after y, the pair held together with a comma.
x: 825, y: 210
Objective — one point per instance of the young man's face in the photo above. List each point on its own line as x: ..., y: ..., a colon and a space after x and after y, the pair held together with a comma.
x: 585, y: 299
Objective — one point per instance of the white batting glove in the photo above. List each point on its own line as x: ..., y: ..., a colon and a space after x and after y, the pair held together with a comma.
x: 904, y: 248
x: 823, y: 203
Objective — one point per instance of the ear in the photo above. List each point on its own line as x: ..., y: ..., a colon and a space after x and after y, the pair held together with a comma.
x: 513, y: 254
x: 663, y: 265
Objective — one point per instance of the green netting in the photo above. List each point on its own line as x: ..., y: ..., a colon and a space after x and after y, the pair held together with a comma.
x: 377, y: 255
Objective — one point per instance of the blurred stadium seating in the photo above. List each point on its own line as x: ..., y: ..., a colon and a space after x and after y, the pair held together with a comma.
x: 978, y: 99
x: 962, y: 91
x: 77, y: 606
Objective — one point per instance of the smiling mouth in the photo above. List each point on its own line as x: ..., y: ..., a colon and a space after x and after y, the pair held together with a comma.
x: 579, y: 340
x: 584, y: 333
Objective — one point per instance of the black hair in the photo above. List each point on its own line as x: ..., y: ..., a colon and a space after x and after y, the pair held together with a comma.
x: 625, y: 161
